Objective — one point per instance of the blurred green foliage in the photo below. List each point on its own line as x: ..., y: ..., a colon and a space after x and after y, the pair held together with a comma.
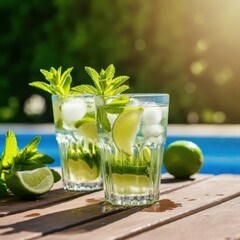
x: 189, y: 49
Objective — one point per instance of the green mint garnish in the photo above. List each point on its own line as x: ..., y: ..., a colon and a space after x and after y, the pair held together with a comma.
x: 58, y: 83
x: 103, y: 119
x: 117, y: 105
x: 10, y: 150
x: 104, y: 83
x: 13, y: 159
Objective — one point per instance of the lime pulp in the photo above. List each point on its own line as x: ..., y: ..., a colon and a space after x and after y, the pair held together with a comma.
x: 30, y: 184
x: 125, y: 129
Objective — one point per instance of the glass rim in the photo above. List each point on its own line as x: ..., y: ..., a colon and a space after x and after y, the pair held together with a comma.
x: 138, y: 95
x: 72, y: 95
x: 133, y: 95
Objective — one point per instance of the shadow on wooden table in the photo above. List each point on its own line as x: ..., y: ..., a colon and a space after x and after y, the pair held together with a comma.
x: 87, y: 218
x: 175, y: 180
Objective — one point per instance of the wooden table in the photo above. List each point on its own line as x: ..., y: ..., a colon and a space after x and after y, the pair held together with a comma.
x: 204, y: 207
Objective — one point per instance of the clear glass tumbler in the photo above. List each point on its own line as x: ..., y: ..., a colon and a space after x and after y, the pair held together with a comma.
x: 131, y: 140
x: 76, y: 134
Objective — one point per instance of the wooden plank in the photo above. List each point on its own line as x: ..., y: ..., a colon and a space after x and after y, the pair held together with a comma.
x: 34, y: 223
x: 53, y: 197
x: 11, y: 200
x: 12, y: 205
x: 174, y: 205
x: 219, y: 222
x: 36, y: 215
x: 169, y: 183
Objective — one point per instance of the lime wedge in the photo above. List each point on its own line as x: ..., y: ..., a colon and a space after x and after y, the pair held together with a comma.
x: 130, y: 184
x: 80, y: 171
x: 125, y: 129
x: 87, y: 128
x: 30, y: 184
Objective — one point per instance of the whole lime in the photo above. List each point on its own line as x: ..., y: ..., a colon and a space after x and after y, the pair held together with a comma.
x: 183, y: 158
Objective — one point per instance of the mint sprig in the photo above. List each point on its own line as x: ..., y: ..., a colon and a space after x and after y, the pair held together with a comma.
x: 58, y: 83
x: 104, y: 83
x: 13, y: 159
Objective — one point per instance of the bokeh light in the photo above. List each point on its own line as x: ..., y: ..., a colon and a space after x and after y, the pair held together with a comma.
x: 35, y: 105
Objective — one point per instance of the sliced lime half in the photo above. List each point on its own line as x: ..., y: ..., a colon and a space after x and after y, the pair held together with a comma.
x: 80, y: 171
x: 125, y: 129
x: 130, y: 184
x: 87, y: 128
x: 30, y: 184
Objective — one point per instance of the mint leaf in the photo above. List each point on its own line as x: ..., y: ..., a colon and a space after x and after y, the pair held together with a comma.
x: 44, y: 86
x: 95, y: 77
x: 67, y: 84
x: 110, y: 71
x: 48, y: 75
x: 56, y: 175
x: 32, y: 145
x: 117, y: 105
x: 65, y: 75
x: 28, y: 151
x: 10, y: 150
x: 26, y: 165
x: 115, y: 83
x: 43, y: 158
x: 103, y: 119
x: 15, y: 169
x: 120, y: 89
x: 85, y: 89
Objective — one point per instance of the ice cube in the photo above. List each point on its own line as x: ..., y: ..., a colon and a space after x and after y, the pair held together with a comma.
x: 73, y: 110
x: 152, y: 131
x: 152, y: 114
x: 134, y: 103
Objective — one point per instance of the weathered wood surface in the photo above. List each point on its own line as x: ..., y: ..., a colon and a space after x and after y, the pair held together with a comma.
x: 87, y: 216
x: 219, y: 222
x: 12, y: 205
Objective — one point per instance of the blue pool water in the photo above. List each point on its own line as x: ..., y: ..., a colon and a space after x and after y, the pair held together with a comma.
x: 221, y: 154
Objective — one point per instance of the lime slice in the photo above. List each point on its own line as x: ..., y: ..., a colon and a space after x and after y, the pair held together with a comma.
x: 125, y: 129
x: 87, y: 128
x: 80, y: 171
x: 130, y: 184
x: 30, y: 184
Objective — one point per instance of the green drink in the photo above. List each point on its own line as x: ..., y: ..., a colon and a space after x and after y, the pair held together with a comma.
x: 131, y: 141
x: 76, y: 134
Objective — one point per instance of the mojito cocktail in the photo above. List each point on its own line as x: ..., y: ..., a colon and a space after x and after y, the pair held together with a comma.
x: 131, y: 141
x: 76, y: 134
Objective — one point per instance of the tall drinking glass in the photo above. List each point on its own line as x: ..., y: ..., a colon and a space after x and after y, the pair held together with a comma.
x: 76, y: 134
x: 131, y: 141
